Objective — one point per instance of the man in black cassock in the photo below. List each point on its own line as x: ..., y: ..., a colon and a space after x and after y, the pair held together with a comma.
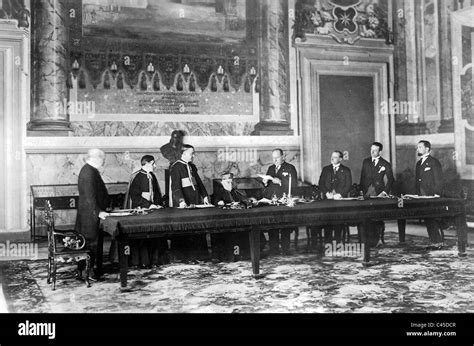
x: 235, y: 245
x: 93, y: 201
x: 187, y: 189
x: 144, y: 192
x: 278, y: 185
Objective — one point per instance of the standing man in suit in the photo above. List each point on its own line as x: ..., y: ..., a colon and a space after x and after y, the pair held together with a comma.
x: 376, y: 179
x: 335, y: 182
x: 93, y: 201
x: 429, y: 182
x: 279, y: 184
x: 187, y: 189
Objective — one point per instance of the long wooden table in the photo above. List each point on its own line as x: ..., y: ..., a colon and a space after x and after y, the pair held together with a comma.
x: 172, y: 222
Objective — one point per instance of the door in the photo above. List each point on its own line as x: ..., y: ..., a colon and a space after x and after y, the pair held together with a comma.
x: 347, y: 119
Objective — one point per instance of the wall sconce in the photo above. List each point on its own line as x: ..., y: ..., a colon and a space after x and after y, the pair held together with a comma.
x: 75, y: 65
x: 220, y: 70
x: 75, y: 68
x: 150, y: 68
x: 252, y: 72
x: 186, y: 69
x: 113, y: 67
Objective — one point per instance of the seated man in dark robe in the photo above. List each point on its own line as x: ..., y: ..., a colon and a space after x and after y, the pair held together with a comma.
x: 144, y: 192
x: 187, y: 190
x: 229, y: 246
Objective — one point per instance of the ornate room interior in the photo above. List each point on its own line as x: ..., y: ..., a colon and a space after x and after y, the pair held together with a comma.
x: 239, y: 77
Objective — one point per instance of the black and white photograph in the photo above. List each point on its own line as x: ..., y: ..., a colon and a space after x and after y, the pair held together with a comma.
x: 194, y: 160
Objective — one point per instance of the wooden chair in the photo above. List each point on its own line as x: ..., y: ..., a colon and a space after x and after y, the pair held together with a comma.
x: 64, y: 247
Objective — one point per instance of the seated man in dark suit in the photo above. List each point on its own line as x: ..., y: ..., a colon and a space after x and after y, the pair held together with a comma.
x: 429, y: 182
x: 93, y: 201
x: 280, y: 173
x: 144, y: 192
x: 335, y: 182
x: 229, y: 246
x: 376, y: 179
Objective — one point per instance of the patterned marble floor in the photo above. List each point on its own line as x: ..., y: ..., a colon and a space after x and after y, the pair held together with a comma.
x: 403, y: 279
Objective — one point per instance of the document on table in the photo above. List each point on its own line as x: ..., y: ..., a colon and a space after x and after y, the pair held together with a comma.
x: 420, y: 197
x: 204, y: 206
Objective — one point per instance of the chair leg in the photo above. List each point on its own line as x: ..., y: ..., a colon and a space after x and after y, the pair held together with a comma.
x: 88, y: 269
x: 308, y: 237
x: 297, y: 233
x: 54, y: 273
x: 48, y: 280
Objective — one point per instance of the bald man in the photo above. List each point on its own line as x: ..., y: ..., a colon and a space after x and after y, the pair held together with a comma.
x: 93, y: 200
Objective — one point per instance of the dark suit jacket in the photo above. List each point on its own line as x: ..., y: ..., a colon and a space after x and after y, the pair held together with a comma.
x: 284, y: 175
x: 341, y: 182
x: 93, y: 198
x: 429, y: 177
x: 138, y: 184
x: 381, y: 179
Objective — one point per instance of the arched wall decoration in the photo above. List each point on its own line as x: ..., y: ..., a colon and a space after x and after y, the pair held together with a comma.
x: 147, y: 62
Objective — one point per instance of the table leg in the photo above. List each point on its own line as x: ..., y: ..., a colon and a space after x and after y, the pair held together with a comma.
x: 365, y: 237
x: 401, y: 230
x: 254, y: 237
x: 461, y: 230
x: 124, y: 251
x: 100, y: 253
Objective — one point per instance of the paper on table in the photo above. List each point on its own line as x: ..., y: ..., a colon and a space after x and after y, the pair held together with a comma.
x: 264, y: 200
x: 419, y: 197
x: 204, y: 206
x: 346, y: 199
x: 123, y: 213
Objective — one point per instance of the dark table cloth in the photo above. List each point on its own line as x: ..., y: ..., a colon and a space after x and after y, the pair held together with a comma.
x: 175, y: 221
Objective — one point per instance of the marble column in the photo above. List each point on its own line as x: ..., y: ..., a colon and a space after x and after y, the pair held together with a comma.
x: 50, y: 43
x: 274, y: 69
x: 409, y: 64
x: 446, y: 81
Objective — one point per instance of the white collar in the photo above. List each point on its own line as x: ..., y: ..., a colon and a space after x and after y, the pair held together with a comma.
x: 336, y: 166
x: 376, y: 158
x: 90, y: 163
x: 423, y: 157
